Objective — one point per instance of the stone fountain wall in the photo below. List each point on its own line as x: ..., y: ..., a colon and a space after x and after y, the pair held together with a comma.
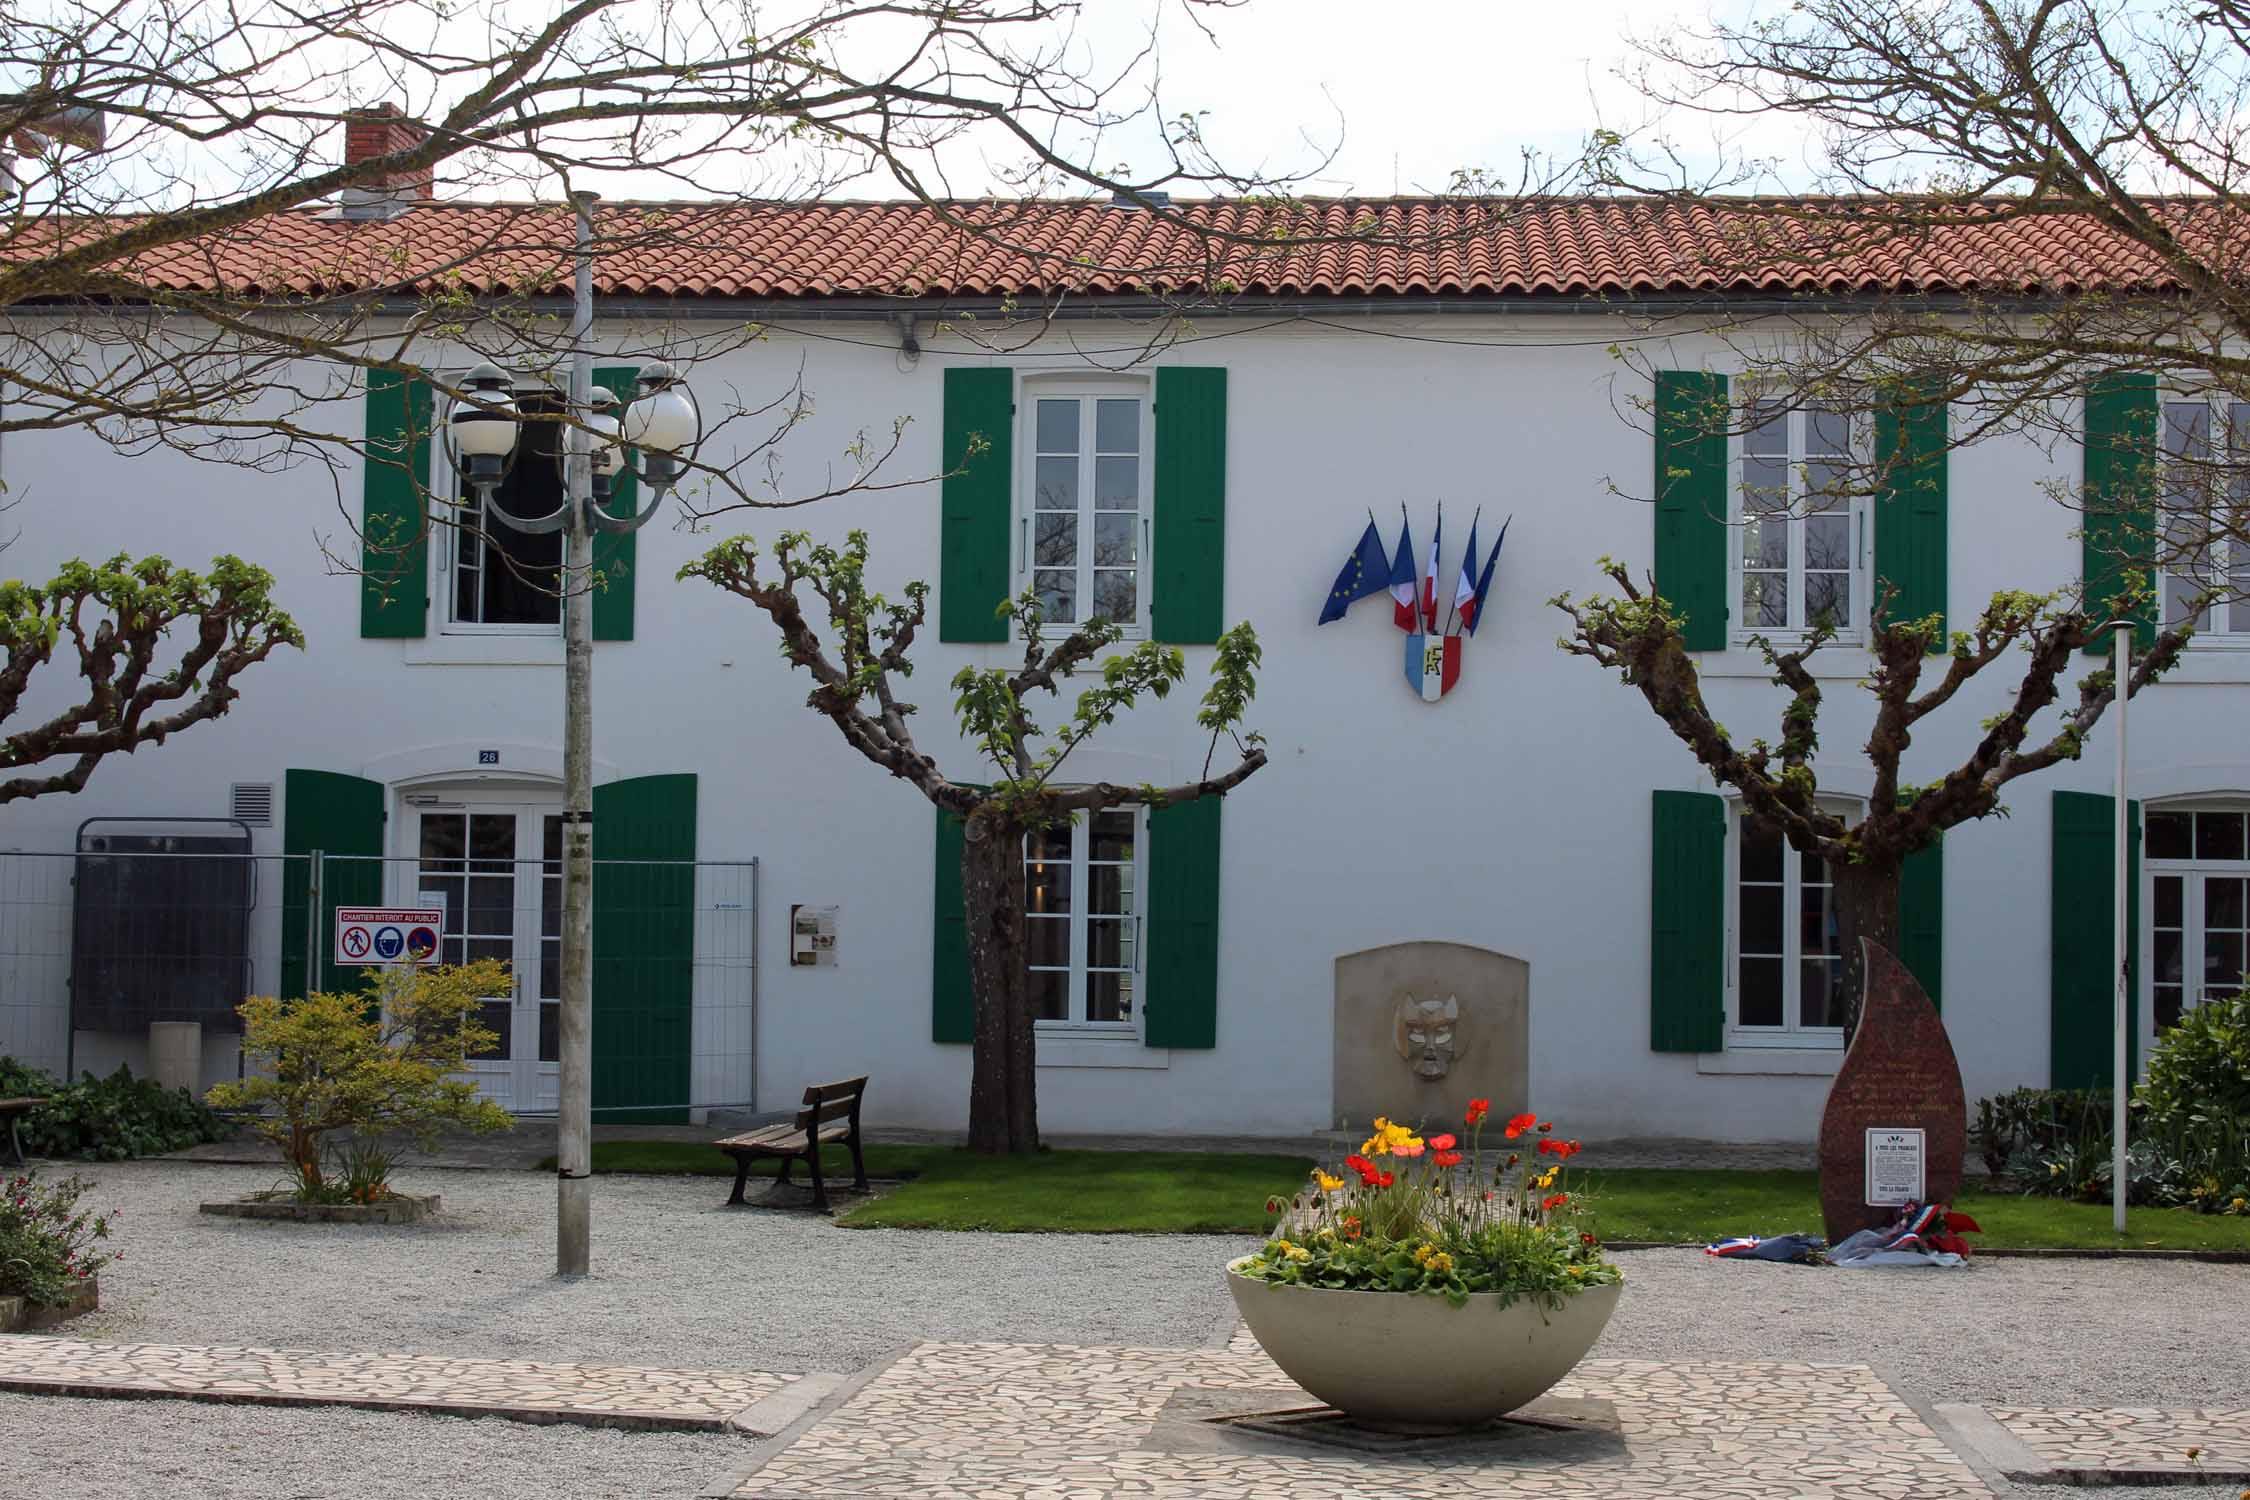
x: 1423, y: 1028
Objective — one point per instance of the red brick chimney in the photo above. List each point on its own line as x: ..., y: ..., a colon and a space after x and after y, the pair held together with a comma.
x: 381, y: 130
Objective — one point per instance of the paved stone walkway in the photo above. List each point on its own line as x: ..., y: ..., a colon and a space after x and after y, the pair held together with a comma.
x: 524, y: 1390
x: 2128, y: 1443
x: 1050, y: 1422
x: 1057, y: 1422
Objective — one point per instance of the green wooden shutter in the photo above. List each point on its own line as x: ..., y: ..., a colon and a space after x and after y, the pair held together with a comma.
x: 953, y: 996
x: 1910, y: 514
x: 615, y: 553
x: 644, y: 949
x: 2118, y: 528
x: 1921, y: 919
x: 977, y: 500
x: 1181, y: 1003
x: 1693, y: 502
x: 2082, y: 973
x: 342, y: 816
x: 1687, y: 930
x: 394, y: 580
x: 1187, y: 603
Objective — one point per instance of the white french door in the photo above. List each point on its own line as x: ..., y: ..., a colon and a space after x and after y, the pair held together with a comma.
x: 496, y: 867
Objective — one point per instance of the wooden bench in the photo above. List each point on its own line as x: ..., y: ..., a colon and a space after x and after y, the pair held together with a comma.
x: 13, y: 1110
x: 817, y: 1123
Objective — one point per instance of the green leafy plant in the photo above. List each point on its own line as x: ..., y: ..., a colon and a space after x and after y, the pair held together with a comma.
x: 48, y: 1244
x: 19, y: 1080
x: 118, y: 1117
x: 1415, y: 1222
x: 381, y: 1062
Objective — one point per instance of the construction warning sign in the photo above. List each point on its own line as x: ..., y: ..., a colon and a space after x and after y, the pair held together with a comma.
x: 376, y: 935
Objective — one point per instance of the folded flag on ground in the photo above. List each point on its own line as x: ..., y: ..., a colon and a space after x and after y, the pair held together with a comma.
x: 1787, y: 1247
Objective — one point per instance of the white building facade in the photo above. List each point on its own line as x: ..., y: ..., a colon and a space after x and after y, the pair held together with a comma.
x: 1678, y: 968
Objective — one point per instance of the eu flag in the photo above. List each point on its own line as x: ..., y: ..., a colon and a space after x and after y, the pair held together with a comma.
x: 1367, y: 571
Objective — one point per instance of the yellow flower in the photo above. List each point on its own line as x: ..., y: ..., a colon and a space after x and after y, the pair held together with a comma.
x: 1577, y: 1270
x: 1299, y: 1252
x: 1441, y: 1262
x: 1422, y: 1255
x: 1545, y: 1179
x: 1283, y: 1246
x: 1327, y: 1233
x: 1327, y: 1183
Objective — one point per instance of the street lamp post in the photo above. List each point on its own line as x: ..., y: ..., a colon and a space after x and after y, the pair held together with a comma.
x: 2121, y: 829
x: 481, y: 437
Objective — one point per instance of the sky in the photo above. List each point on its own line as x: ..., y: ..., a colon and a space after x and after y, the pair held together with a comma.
x: 1407, y: 92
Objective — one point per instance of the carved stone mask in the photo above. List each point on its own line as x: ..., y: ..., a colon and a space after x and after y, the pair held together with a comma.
x: 1425, y: 1033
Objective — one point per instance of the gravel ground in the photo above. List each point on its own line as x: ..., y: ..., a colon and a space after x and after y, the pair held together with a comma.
x: 681, y: 1281
x: 60, y: 1448
x: 685, y: 1283
x: 2005, y: 1331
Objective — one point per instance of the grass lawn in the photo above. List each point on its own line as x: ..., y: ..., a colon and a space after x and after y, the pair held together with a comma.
x: 1194, y: 1192
x: 1162, y: 1192
x: 700, y: 1159
x: 1705, y: 1206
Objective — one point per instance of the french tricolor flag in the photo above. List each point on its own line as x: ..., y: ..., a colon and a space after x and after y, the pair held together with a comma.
x: 1403, y: 608
x: 1465, y: 585
x: 1429, y: 578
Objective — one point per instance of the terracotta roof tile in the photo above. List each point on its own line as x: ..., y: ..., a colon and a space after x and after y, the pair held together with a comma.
x: 1351, y: 247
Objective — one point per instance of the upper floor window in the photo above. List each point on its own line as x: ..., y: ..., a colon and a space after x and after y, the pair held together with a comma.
x: 2205, y: 551
x: 1088, y: 515
x: 501, y: 576
x: 1083, y: 891
x: 1801, y: 558
x: 1789, y: 953
x: 2199, y: 888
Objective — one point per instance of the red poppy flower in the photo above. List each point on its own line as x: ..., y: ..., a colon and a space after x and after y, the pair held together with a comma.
x: 1478, y: 1109
x: 1442, y: 1143
x: 1545, y: 1126
x: 1359, y: 1164
x: 1570, y: 1148
x: 1549, y: 1205
x: 1586, y: 1239
x: 1384, y: 1179
x: 1521, y: 1123
x: 1548, y: 1147
x: 1447, y: 1158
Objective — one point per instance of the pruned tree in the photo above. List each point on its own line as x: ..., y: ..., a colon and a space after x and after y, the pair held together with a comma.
x: 2016, y: 207
x: 855, y: 686
x: 114, y: 620
x: 1638, y: 633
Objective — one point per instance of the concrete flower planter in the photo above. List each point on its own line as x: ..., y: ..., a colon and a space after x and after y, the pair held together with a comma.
x: 399, y: 1210
x: 20, y: 1315
x: 1405, y: 1362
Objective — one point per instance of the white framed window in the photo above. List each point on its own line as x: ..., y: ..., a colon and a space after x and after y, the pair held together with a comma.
x: 499, y: 580
x: 2196, y: 875
x: 1084, y: 898
x: 2204, y: 521
x: 1085, y: 524
x: 1788, y: 952
x: 1803, y: 552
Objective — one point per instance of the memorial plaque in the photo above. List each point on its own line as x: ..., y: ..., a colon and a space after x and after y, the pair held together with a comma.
x: 1899, y: 1077
x: 1894, y: 1169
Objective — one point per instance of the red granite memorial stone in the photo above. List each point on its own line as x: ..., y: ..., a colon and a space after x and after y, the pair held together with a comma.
x: 1899, y: 1076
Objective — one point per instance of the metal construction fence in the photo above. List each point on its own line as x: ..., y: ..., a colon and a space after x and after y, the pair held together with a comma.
x: 99, y: 942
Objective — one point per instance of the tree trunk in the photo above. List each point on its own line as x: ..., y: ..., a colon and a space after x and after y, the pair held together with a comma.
x: 1866, y: 897
x: 1003, y: 1104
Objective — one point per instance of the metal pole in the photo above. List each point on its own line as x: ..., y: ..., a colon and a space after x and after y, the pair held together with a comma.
x: 575, y: 1116
x: 2122, y: 938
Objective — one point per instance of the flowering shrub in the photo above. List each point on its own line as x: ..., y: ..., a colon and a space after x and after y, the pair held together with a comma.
x: 1423, y: 1214
x: 47, y: 1242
